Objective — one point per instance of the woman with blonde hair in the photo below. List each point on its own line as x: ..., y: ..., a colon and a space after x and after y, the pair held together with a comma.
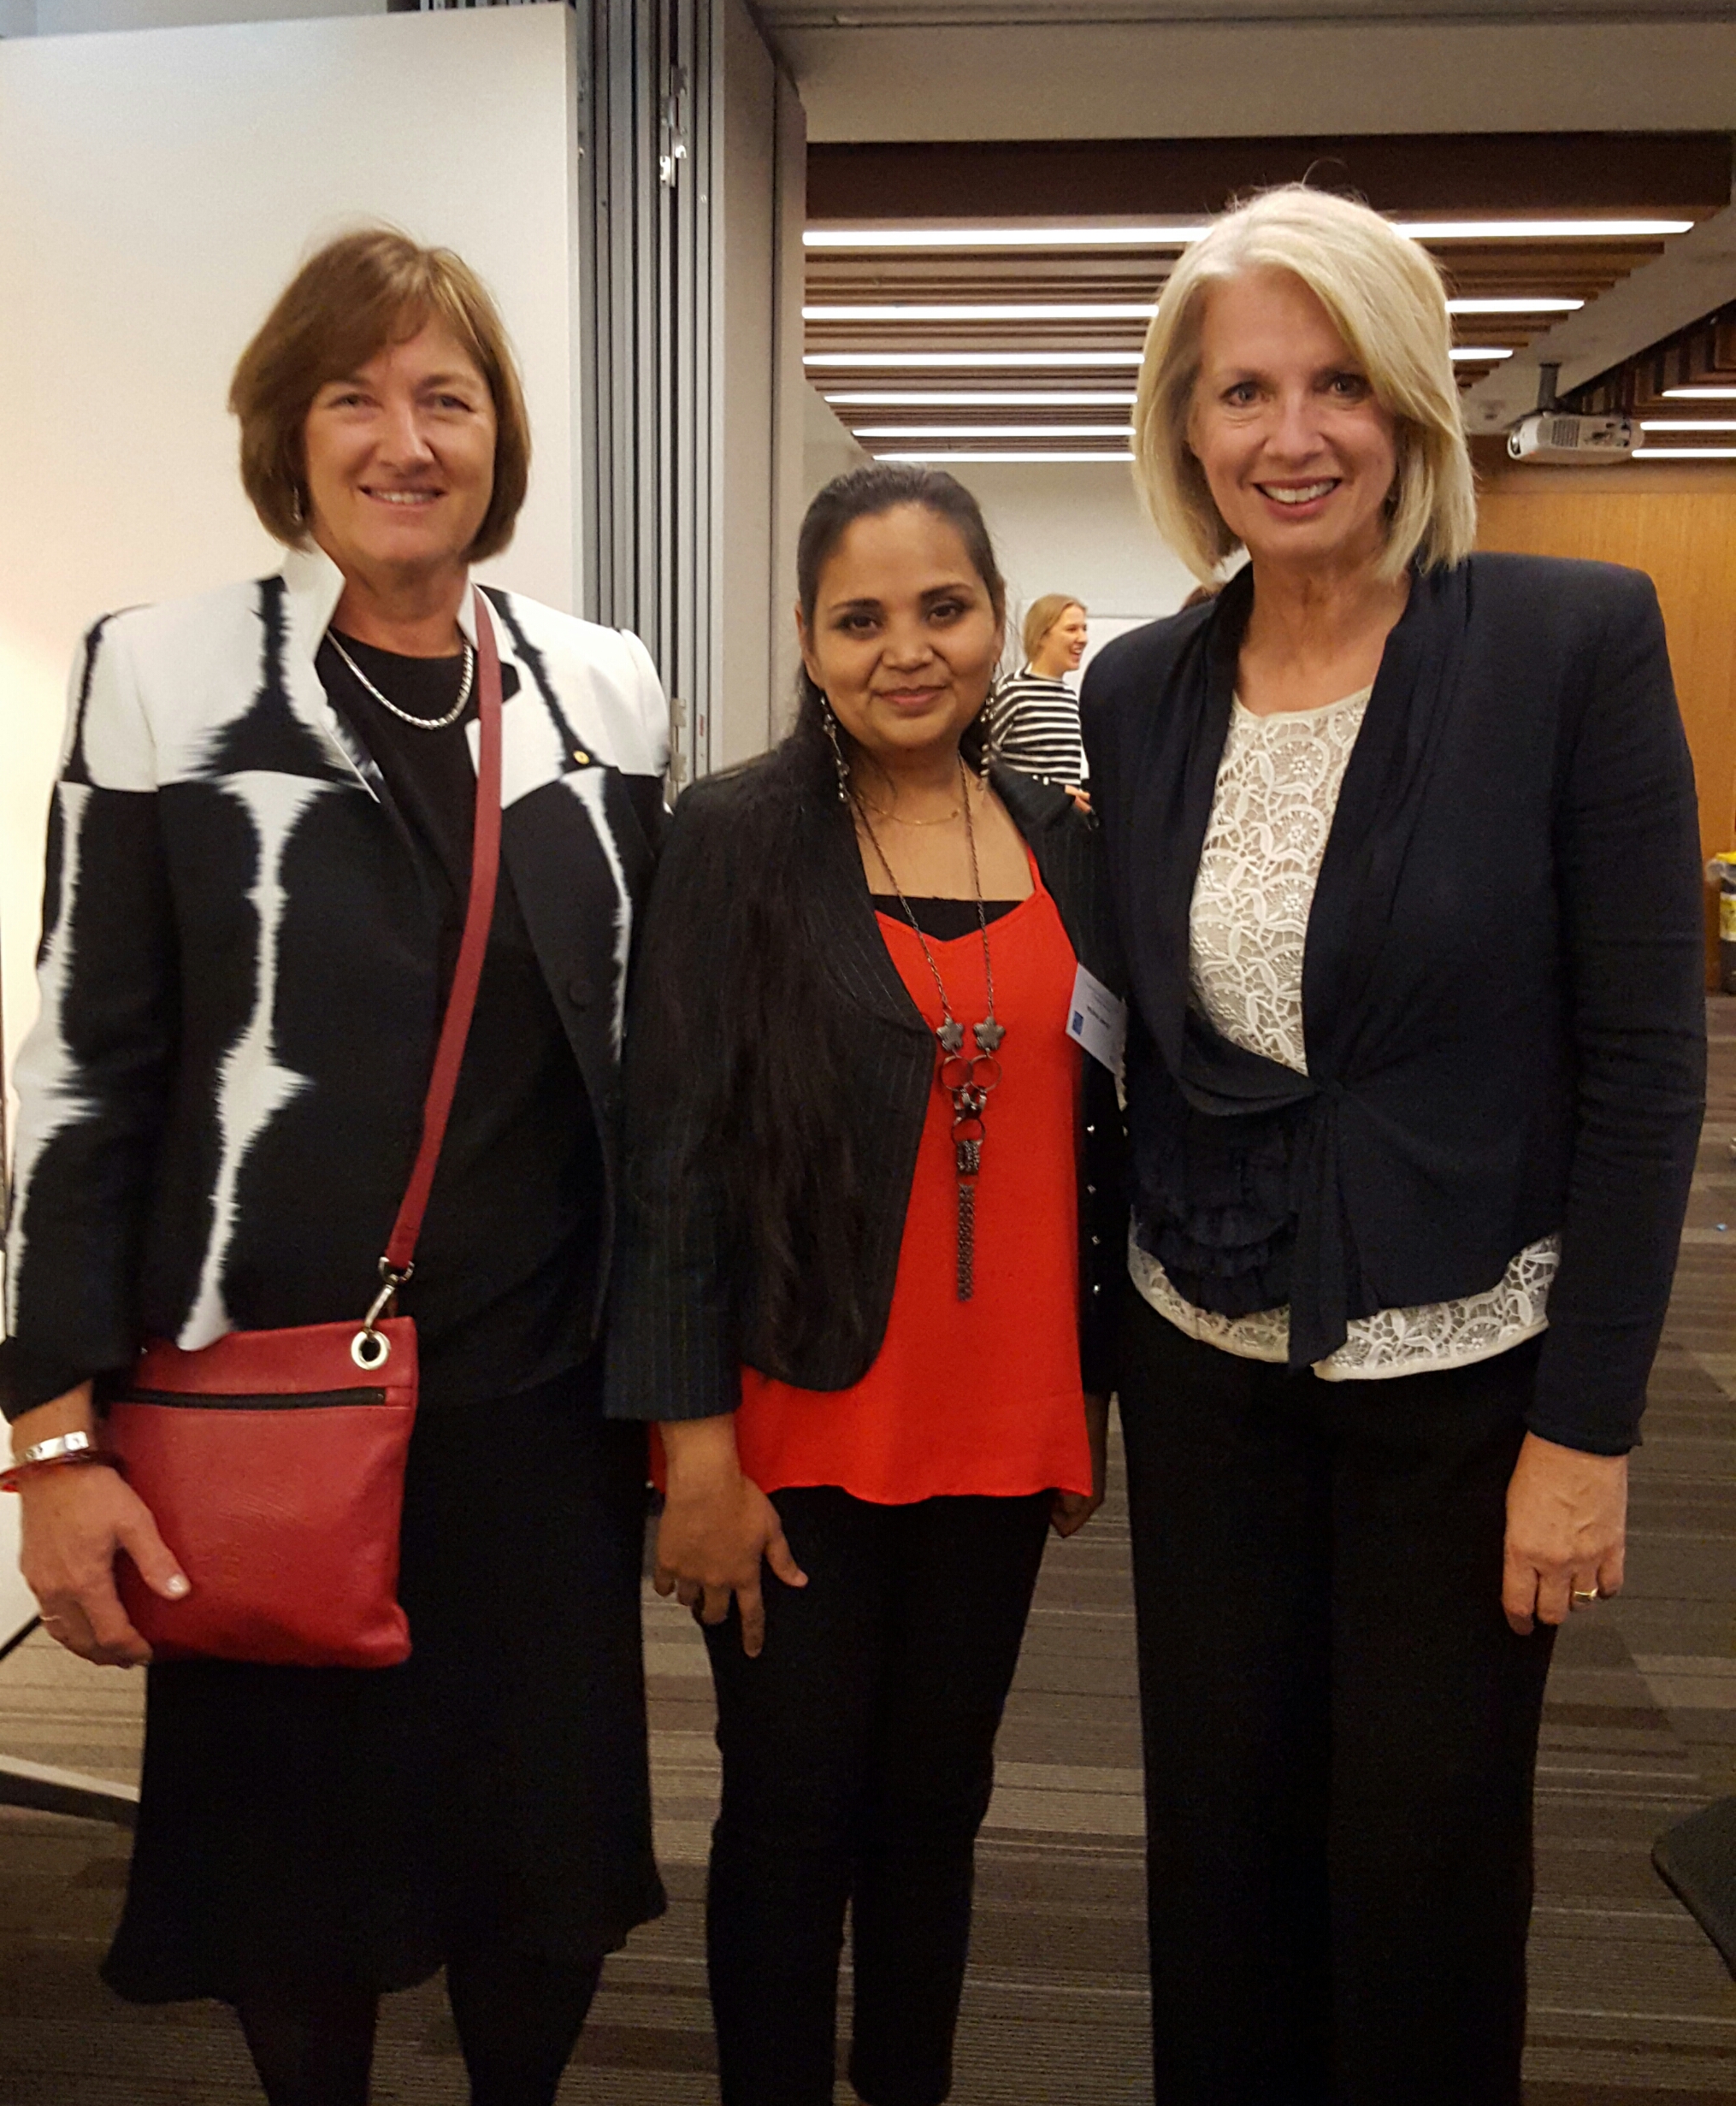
x: 1034, y: 716
x: 1414, y: 1093
x: 261, y: 852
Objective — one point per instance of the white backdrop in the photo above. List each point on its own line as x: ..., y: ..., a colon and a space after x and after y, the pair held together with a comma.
x: 157, y: 190
x: 1076, y: 527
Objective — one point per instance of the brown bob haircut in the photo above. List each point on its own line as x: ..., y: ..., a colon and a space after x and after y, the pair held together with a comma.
x: 349, y: 301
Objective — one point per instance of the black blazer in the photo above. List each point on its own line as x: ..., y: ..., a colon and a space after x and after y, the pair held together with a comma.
x: 221, y: 1097
x: 679, y: 1332
x: 1504, y: 968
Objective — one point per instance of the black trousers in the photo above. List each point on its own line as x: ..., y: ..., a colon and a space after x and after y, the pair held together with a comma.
x: 1340, y: 1727
x: 857, y: 1763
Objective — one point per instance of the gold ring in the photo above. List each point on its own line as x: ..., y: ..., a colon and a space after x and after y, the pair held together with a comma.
x: 1584, y: 1600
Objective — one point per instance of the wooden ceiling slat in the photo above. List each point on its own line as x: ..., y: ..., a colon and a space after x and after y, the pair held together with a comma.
x: 1510, y: 173
x: 1703, y: 356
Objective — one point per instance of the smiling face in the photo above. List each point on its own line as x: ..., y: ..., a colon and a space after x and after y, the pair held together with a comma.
x: 1064, y: 644
x: 1298, y: 454
x: 399, y: 459
x: 904, y: 638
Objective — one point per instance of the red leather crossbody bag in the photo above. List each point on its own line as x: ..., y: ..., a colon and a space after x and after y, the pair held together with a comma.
x: 273, y: 1460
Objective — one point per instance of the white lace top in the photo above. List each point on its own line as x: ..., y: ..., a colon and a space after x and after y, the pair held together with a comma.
x: 1277, y: 790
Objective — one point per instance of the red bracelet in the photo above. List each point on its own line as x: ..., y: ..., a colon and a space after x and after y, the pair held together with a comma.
x: 11, y: 1480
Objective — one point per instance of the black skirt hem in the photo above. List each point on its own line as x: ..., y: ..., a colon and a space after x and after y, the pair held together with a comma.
x: 215, y: 1984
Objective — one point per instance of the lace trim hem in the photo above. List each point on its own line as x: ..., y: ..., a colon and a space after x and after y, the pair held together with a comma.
x: 1394, y: 1341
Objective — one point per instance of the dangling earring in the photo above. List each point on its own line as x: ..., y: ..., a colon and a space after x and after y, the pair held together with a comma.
x: 838, y: 761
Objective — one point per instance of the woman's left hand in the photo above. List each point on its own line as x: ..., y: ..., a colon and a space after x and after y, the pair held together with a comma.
x: 1071, y: 1510
x: 1567, y: 1531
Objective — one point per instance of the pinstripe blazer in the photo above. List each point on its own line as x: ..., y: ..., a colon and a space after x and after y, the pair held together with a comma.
x: 679, y: 1327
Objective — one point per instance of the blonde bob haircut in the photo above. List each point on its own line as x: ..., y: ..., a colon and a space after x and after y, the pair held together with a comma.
x: 1042, y: 617
x: 1386, y: 299
x: 346, y: 304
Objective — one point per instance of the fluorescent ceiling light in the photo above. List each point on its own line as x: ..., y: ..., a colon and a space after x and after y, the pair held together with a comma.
x: 1688, y: 424
x: 989, y: 399
x: 977, y: 359
x: 1178, y: 236
x: 1099, y: 310
x: 1700, y: 394
x: 999, y: 431
x: 961, y: 454
x: 1044, y: 361
x: 1683, y: 453
x: 1072, y: 236
x: 1541, y: 230
x: 985, y: 310
x: 1504, y: 306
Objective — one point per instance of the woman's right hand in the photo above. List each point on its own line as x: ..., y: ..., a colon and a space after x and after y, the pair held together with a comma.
x: 76, y: 1518
x: 718, y: 1529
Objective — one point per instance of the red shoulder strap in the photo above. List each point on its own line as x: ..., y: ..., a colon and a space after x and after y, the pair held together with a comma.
x: 479, y: 915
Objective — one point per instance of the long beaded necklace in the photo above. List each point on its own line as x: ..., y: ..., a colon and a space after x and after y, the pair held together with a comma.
x: 409, y: 716
x: 966, y: 1078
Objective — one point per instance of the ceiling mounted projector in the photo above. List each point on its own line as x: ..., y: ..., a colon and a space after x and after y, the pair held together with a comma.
x: 1555, y: 437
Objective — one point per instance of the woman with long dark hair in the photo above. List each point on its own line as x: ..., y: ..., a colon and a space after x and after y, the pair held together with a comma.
x: 852, y: 1286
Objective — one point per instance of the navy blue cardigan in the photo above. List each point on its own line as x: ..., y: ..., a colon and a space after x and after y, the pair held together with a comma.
x: 1504, y: 974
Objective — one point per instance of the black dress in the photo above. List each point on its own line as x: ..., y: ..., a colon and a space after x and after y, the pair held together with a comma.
x: 322, y: 1823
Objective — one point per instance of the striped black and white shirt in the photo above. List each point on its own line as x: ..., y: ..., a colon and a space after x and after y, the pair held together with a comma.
x: 1034, y: 726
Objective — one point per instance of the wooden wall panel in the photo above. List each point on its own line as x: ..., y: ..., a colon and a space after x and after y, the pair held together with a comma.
x: 1679, y: 525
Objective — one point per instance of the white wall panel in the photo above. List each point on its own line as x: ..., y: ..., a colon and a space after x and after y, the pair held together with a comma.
x: 1079, y: 527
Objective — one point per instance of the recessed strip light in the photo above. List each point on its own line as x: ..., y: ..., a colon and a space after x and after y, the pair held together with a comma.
x: 979, y: 360
x: 989, y: 399
x: 997, y: 431
x: 1688, y: 424
x: 963, y: 454
x: 1700, y: 394
x: 1026, y: 237
x: 1099, y: 310
x: 985, y: 310
x: 1541, y: 230
x: 919, y: 236
x: 1683, y: 453
x: 1504, y: 306
x: 1040, y: 361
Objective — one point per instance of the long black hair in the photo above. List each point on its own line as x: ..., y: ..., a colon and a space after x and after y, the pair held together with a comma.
x: 793, y: 1194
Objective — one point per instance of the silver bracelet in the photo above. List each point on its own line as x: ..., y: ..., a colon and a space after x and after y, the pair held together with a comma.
x: 59, y: 1448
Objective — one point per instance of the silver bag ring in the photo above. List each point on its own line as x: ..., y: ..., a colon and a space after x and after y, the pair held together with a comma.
x: 370, y: 1349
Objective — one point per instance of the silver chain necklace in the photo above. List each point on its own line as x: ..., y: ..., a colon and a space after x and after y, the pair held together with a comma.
x: 967, y: 1079
x: 409, y: 716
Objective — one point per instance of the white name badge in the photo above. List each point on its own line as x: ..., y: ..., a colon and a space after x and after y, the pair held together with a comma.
x: 1098, y: 1020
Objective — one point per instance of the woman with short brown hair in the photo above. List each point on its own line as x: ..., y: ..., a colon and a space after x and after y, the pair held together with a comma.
x: 259, y: 863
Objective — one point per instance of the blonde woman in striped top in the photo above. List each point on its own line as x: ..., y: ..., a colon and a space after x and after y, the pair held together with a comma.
x: 1034, y: 717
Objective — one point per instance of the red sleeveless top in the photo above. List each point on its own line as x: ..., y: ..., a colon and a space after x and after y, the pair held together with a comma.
x: 984, y: 1395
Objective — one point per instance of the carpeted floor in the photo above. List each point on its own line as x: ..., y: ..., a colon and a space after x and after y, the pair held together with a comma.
x: 1629, y: 2004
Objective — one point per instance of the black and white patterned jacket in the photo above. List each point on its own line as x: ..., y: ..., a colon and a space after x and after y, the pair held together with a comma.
x: 220, y: 1098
